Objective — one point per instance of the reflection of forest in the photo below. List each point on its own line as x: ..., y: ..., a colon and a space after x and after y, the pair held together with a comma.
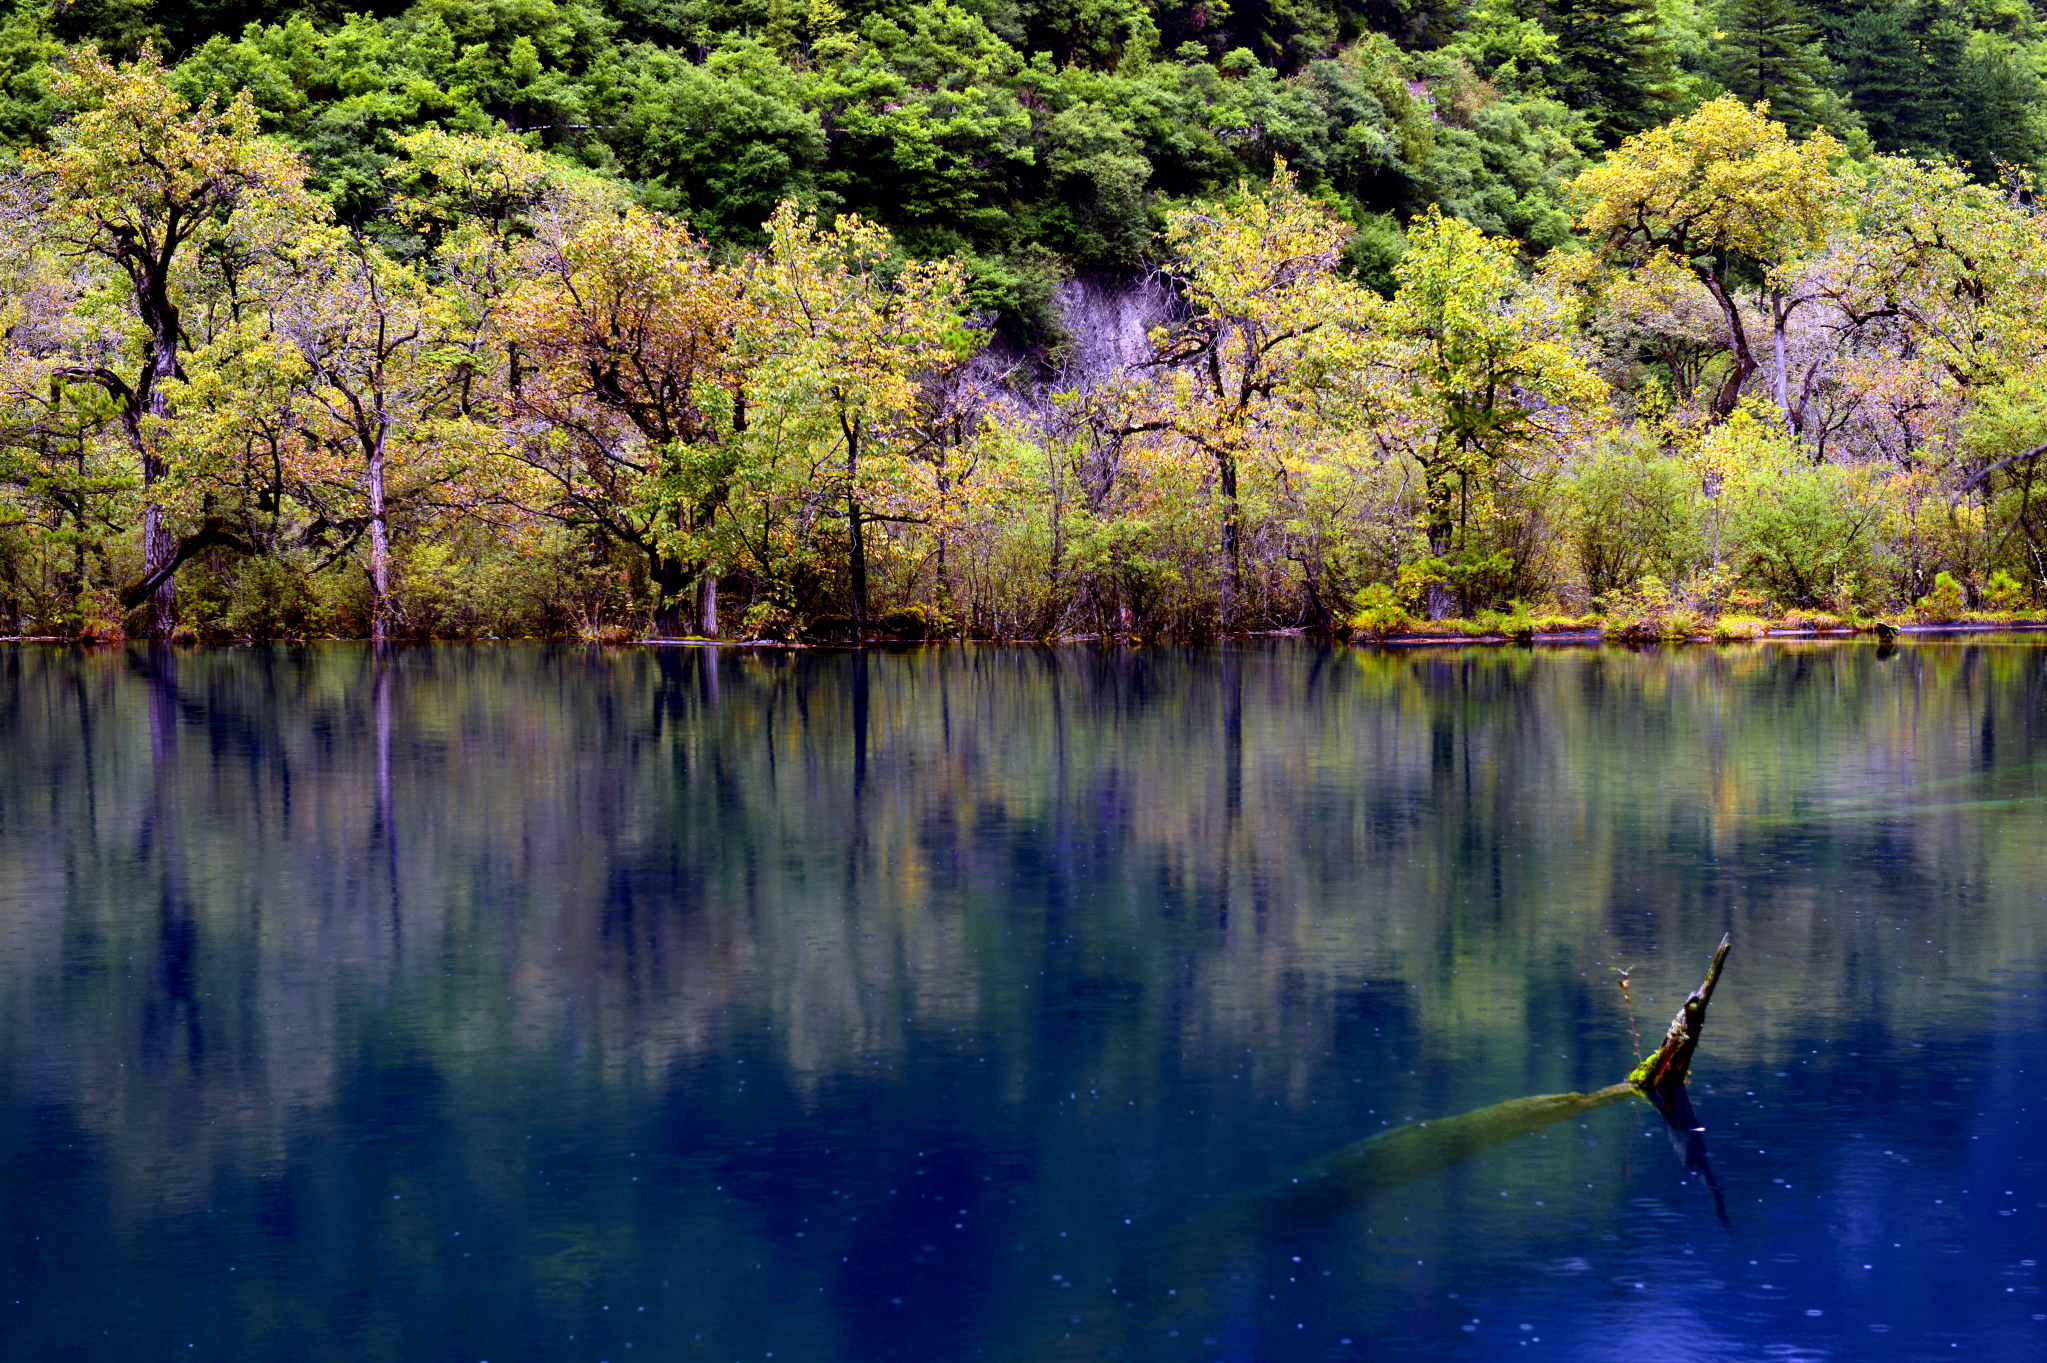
x: 235, y: 866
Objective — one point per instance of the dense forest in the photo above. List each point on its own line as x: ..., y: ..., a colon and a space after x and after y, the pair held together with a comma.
x: 1015, y: 320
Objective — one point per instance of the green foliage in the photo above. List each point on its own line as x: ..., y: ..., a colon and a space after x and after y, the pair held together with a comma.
x: 1379, y: 612
x: 1805, y: 536
x: 1373, y: 251
x: 1011, y: 318
x: 270, y: 597
x: 719, y: 142
x: 1769, y: 51
x: 1480, y: 582
x: 1615, y: 61
x: 1923, y: 82
x: 1648, y: 612
x: 1504, y: 167
x: 1634, y: 513
x: 28, y: 48
x: 1946, y: 602
x: 2006, y: 593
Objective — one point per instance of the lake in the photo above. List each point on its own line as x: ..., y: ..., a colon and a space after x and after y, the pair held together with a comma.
x: 512, y: 1002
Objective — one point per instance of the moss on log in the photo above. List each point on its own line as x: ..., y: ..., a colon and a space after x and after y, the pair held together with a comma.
x: 1672, y: 1061
x: 1392, y: 1159
x: 1188, y: 1273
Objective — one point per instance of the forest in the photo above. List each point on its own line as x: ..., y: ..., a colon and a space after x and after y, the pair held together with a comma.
x: 1016, y: 320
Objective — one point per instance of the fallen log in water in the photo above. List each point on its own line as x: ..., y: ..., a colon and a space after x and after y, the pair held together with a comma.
x: 1182, y: 1276
x: 1392, y: 1158
x: 1192, y: 1270
x: 1667, y: 1068
x: 1398, y: 1157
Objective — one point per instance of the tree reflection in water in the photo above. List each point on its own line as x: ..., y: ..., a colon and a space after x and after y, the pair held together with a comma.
x: 788, y: 994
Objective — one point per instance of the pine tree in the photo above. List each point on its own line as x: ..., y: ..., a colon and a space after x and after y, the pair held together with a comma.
x: 1886, y: 80
x: 1769, y: 50
x: 1616, y: 60
x: 1996, y: 117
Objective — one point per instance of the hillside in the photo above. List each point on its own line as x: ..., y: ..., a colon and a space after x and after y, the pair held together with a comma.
x: 524, y: 318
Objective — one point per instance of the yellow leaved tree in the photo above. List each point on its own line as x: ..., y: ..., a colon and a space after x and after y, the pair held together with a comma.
x: 158, y: 205
x: 1485, y: 379
x: 1268, y: 314
x: 630, y: 391
x: 381, y: 396
x: 1711, y: 192
x: 841, y: 335
x: 1941, y: 284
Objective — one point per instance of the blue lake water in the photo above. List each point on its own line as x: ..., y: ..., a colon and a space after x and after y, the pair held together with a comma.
x: 522, y: 1003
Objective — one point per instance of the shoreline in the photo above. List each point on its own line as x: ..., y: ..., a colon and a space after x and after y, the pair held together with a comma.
x: 1600, y: 636
x: 1593, y: 636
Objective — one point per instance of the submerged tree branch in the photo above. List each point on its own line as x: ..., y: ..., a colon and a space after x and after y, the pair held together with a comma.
x: 1667, y: 1068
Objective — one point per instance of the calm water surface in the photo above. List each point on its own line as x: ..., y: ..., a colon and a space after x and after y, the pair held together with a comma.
x: 516, y: 1003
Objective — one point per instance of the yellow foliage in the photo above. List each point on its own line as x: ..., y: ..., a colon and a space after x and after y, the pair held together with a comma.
x: 1726, y: 178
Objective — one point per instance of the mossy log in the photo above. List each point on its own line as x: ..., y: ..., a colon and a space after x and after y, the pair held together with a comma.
x: 1667, y: 1068
x: 1190, y: 1272
x: 1184, y: 1275
x: 1393, y: 1159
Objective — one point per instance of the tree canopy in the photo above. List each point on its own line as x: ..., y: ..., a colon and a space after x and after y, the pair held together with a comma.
x: 522, y: 316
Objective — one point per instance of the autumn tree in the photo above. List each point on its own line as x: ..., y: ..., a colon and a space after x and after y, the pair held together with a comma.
x: 957, y: 407
x: 1963, y: 265
x: 1719, y: 192
x: 1259, y: 276
x: 168, y: 202
x: 842, y: 335
x: 379, y: 394
x: 59, y: 490
x: 1482, y: 369
x: 629, y: 390
x: 1940, y: 285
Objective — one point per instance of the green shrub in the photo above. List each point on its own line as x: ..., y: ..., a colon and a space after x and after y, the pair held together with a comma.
x: 1947, y: 601
x: 1633, y: 514
x: 2006, y: 593
x: 1515, y: 622
x: 1647, y: 613
x: 1379, y: 612
x: 1804, y: 537
x: 1477, y: 579
x: 1812, y: 620
x: 767, y: 620
x: 269, y: 597
x: 909, y: 623
x: 1729, y: 629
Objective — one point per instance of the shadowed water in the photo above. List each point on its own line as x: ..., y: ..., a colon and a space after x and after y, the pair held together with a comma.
x: 515, y: 1003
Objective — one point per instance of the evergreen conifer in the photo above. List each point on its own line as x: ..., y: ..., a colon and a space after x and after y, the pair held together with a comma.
x: 1769, y: 50
x: 1616, y: 61
x: 1886, y: 79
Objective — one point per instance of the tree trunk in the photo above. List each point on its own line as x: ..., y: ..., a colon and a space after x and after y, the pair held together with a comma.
x: 380, y: 549
x: 1780, y: 318
x: 1442, y: 602
x: 671, y: 582
x: 944, y: 505
x: 1737, y: 338
x: 1667, y: 1068
x: 159, y: 546
x: 855, y: 534
x: 708, y: 603
x: 1233, y: 542
x: 1318, y: 611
